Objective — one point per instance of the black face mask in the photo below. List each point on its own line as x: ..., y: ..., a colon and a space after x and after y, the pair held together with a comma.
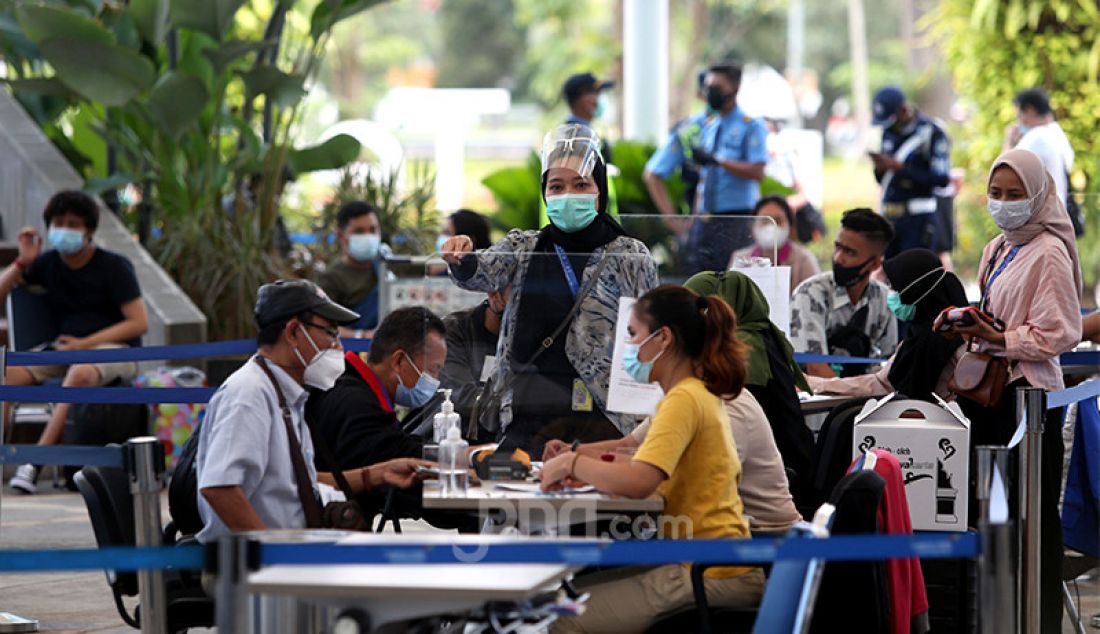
x: 716, y: 98
x: 846, y: 276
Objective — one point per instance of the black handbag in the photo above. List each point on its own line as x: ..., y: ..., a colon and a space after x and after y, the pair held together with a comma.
x: 486, y: 410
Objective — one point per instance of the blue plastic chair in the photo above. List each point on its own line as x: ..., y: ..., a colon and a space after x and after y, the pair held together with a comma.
x: 788, y: 600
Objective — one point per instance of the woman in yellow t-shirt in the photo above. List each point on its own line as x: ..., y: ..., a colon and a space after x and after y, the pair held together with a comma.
x: 686, y: 344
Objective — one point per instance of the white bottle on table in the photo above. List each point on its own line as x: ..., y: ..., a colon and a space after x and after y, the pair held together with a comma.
x: 445, y: 419
x: 453, y: 464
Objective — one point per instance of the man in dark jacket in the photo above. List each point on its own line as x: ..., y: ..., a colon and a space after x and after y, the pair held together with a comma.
x: 471, y: 354
x: 357, y: 417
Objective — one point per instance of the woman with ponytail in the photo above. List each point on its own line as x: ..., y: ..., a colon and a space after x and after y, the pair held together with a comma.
x: 685, y: 343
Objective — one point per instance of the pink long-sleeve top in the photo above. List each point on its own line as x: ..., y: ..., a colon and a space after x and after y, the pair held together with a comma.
x: 1036, y: 297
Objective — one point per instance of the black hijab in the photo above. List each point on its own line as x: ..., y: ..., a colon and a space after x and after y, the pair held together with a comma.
x: 603, y: 229
x: 923, y: 354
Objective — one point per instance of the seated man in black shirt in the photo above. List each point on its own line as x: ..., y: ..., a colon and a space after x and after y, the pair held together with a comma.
x: 93, y: 297
x: 356, y: 418
x: 471, y: 354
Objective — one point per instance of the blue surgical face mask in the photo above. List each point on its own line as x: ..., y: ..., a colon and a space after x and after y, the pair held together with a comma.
x: 601, y: 106
x: 440, y: 241
x: 364, y: 246
x: 571, y: 212
x: 637, y: 369
x: 66, y: 241
x: 420, y: 393
x: 906, y: 312
x: 1023, y: 129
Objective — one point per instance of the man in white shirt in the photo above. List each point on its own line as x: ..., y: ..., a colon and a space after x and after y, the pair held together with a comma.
x: 1036, y: 130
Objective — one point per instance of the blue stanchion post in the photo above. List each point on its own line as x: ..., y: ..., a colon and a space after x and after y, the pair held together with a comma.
x: 231, y: 589
x: 145, y: 462
x: 996, y: 572
x: 1031, y: 402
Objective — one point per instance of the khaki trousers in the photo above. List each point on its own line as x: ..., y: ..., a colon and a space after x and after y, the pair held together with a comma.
x: 631, y: 599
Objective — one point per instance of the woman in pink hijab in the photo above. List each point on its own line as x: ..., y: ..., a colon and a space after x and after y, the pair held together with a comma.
x: 1030, y: 279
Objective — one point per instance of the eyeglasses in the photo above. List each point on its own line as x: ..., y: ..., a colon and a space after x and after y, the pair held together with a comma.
x: 333, y: 333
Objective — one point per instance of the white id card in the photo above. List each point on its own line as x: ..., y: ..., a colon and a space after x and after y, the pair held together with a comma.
x: 488, y: 367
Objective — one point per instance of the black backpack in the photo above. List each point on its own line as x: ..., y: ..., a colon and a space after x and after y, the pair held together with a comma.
x: 183, y: 489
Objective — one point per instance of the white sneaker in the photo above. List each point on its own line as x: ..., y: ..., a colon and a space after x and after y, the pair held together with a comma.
x: 24, y: 479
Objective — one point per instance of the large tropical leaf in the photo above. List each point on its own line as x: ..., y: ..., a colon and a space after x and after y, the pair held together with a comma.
x: 516, y: 191
x: 285, y: 89
x: 123, y: 26
x: 329, y: 155
x: 213, y: 17
x: 230, y: 51
x: 41, y: 23
x: 14, y: 41
x: 100, y: 72
x: 329, y: 12
x: 40, y: 86
x: 151, y: 19
x: 176, y: 101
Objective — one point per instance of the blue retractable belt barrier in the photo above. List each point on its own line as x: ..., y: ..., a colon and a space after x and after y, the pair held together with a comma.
x: 1088, y: 389
x: 724, y: 551
x: 637, y: 552
x: 153, y: 353
x: 1080, y: 357
x: 62, y: 455
x: 113, y: 558
x: 141, y: 395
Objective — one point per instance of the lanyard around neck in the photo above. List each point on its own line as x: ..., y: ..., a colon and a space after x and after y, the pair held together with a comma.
x: 1004, y: 263
x: 567, y: 268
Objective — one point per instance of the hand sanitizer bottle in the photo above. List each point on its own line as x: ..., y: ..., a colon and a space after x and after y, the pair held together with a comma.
x: 453, y: 464
x: 445, y: 419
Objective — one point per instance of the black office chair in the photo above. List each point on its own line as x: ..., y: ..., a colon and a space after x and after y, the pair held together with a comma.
x: 106, y: 493
x: 30, y: 324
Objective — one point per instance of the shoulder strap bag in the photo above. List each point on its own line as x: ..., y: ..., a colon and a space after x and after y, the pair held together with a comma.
x: 486, y: 410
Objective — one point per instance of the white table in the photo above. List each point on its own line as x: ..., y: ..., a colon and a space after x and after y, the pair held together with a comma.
x: 532, y: 511
x: 299, y: 598
x: 822, y: 403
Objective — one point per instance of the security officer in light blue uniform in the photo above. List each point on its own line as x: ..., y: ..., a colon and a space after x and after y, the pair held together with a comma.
x: 676, y: 153
x: 732, y: 153
x: 915, y: 161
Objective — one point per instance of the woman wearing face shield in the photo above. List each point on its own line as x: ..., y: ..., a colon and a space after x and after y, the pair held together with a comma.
x: 582, y: 257
x: 1030, y: 279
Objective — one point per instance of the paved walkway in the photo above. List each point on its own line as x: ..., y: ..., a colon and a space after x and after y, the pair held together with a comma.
x: 82, y: 602
x: 62, y: 602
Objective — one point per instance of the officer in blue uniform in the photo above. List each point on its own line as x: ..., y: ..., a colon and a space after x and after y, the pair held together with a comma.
x: 676, y: 153
x: 915, y: 161
x: 731, y: 154
x: 583, y: 94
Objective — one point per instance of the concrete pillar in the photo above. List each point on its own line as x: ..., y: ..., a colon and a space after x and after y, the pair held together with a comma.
x: 645, y: 69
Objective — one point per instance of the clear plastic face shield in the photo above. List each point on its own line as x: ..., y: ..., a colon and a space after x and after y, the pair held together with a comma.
x: 573, y: 147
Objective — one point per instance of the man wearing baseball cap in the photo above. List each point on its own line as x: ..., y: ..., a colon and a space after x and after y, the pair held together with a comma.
x: 584, y: 95
x: 255, y: 459
x: 914, y: 162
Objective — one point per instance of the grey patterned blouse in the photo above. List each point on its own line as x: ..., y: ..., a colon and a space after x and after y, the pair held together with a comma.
x: 631, y: 272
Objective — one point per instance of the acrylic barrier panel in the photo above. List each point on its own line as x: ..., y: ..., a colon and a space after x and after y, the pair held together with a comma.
x: 422, y: 281
x: 685, y: 245
x: 524, y: 359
